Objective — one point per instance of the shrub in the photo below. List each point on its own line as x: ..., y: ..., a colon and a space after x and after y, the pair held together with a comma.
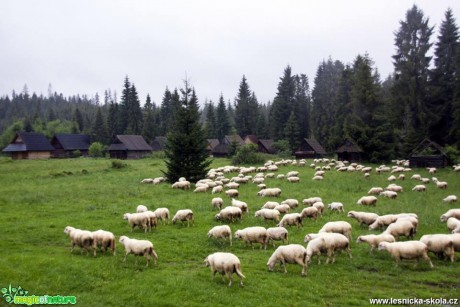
x: 76, y: 154
x: 118, y: 164
x: 452, y: 153
x: 96, y: 150
x: 282, y: 148
x: 248, y: 154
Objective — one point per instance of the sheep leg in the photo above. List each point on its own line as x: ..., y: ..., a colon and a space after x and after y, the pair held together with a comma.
x: 427, y: 258
x: 300, y: 261
x: 284, y: 265
x: 230, y: 278
x: 126, y: 254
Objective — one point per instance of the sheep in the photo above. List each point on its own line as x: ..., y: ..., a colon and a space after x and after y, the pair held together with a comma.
x: 147, y: 180
x: 401, y: 177
x: 291, y: 219
x: 232, y: 193
x: 104, y: 240
x: 293, y: 179
x: 182, y: 179
x: 225, y: 264
x: 292, y: 253
x: 185, y: 215
x: 277, y: 234
x: 270, y: 205
x: 222, y: 231
x: 229, y: 213
x: 81, y: 238
x: 240, y: 204
x: 292, y: 174
x: 317, y: 246
x: 394, y: 188
x: 320, y: 206
x: 337, y: 227
x: 152, y: 219
x: 268, y: 214
x: 140, y: 220
x: 391, y: 178
x: 310, y: 212
x: 335, y: 206
x: 440, y: 245
x: 382, y: 221
x: 374, y: 240
x: 317, y: 178
x: 141, y: 208
x: 450, y: 199
x: 280, y: 176
x: 261, y: 186
x: 450, y: 213
x: 333, y: 242
x: 416, y: 177
x: 375, y: 191
x: 270, y: 192
x: 389, y: 194
x: 254, y: 234
x: 293, y: 203
x: 431, y: 170
x: 284, y: 208
x: 419, y: 188
x: 184, y: 185
x: 366, y: 218
x: 139, y: 248
x: 367, y: 200
x: 441, y: 184
x: 453, y: 224
x: 162, y: 214
x: 456, y: 240
x: 258, y: 180
x: 232, y: 185
x: 217, y: 189
x: 406, y: 250
x: 401, y: 228
x: 217, y: 202
x: 310, y: 201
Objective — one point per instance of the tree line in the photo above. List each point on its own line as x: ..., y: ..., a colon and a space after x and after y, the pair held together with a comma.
x: 386, y: 117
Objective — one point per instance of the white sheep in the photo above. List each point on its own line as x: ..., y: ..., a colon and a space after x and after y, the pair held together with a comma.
x: 456, y: 239
x: 416, y: 177
x: 320, y: 206
x: 366, y: 218
x: 293, y: 179
x: 104, y: 240
x: 217, y: 202
x: 201, y: 189
x: 152, y: 219
x: 453, y: 224
x: 258, y: 180
x: 406, y: 250
x: 268, y: 214
x: 374, y: 240
x: 254, y: 234
x: 375, y: 191
x: 310, y: 201
x: 419, y: 188
x: 292, y: 174
x: 217, y: 189
x: 440, y: 245
x: 240, y: 204
x: 225, y: 264
x: 229, y: 213
x: 184, y: 185
x: 147, y: 180
x: 140, y: 220
x: 333, y: 242
x: 389, y: 194
x: 310, y: 212
x: 141, y: 208
x: 261, y: 186
x: 232, y: 185
x: 450, y: 213
x: 394, y: 188
x: 291, y: 219
x: 317, y: 246
x: 232, y: 193
x: 162, y: 214
x: 222, y: 231
x: 337, y: 227
x: 293, y: 203
x: 440, y: 184
x: 335, y: 206
x: 382, y: 221
x: 317, y: 178
x: 270, y: 205
x: 292, y: 253
x: 139, y: 248
x: 277, y: 234
x: 450, y: 199
x: 401, y: 228
x: 283, y: 208
x: 391, y: 178
x: 367, y: 201
x: 184, y: 215
x: 81, y: 238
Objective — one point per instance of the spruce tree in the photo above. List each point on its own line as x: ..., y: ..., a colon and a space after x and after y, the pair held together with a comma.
x: 211, y: 122
x: 283, y: 105
x: 291, y: 132
x: 99, y: 130
x: 135, y: 120
x: 246, y: 107
x: 112, y: 121
x: 185, y: 148
x: 222, y: 121
x: 149, y: 128
x: 124, y: 110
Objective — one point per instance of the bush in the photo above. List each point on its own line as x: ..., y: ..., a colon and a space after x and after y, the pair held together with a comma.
x: 452, y: 153
x: 118, y: 164
x: 283, y: 149
x: 248, y: 154
x: 96, y: 150
x: 76, y: 154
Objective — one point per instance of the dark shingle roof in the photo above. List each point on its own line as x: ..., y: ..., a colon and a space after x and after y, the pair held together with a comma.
x: 130, y: 142
x: 252, y: 138
x: 72, y: 141
x: 268, y: 145
x: 316, y: 146
x: 349, y: 146
x: 428, y: 144
x: 29, y: 141
x: 212, y: 143
x: 228, y: 139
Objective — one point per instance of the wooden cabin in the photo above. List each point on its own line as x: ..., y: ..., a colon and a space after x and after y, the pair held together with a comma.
x: 310, y: 149
x: 129, y: 147
x: 66, y: 144
x: 158, y: 144
x: 266, y: 146
x: 428, y: 154
x: 251, y: 139
x: 29, y: 145
x: 350, y: 152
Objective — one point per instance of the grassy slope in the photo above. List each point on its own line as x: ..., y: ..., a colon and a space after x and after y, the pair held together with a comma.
x: 38, y: 200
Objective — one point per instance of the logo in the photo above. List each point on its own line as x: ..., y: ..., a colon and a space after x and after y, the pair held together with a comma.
x: 20, y: 296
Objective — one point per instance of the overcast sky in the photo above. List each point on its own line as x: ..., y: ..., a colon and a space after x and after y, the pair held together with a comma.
x: 89, y: 46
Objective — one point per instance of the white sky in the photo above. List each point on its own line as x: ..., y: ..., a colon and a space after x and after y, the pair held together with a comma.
x: 89, y: 46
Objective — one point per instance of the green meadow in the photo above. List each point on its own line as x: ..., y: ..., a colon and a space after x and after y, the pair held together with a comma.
x: 38, y: 199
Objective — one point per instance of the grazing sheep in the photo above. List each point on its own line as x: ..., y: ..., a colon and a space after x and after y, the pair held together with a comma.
x: 232, y: 193
x: 184, y: 185
x: 293, y: 179
x: 292, y: 174
x: 292, y: 253
x: 268, y: 214
x: 335, y: 206
x: 270, y: 205
x: 141, y: 208
x: 240, y: 204
x: 185, y: 215
x: 401, y: 228
x: 389, y: 194
x: 317, y: 178
x: 374, y: 240
x: 333, y: 242
x: 431, y: 170
x: 140, y: 220
x: 310, y: 201
x: 406, y: 250
x: 81, y: 238
x: 450, y: 213
x: 401, y: 177
x: 440, y: 245
x: 441, y: 184
x: 280, y: 176
x: 367, y: 201
x: 262, y: 186
x: 453, y: 224
x: 293, y: 203
x: 284, y: 208
x: 277, y: 234
x: 337, y: 227
x: 317, y: 246
x: 456, y: 239
x: 152, y: 219
x: 201, y: 189
x: 229, y: 213
x: 217, y: 202
x: 416, y: 177
x: 270, y: 192
x: 232, y: 185
x: 394, y: 188
x: 162, y: 214
x: 291, y: 219
x: 383, y: 220
x: 310, y: 212
x: 147, y: 180
x: 450, y: 199
x: 104, y: 240
x: 258, y: 180
x: 255, y: 234
x: 375, y: 191
x: 225, y: 264
x: 391, y: 178
x: 217, y: 189
x: 366, y: 218
x: 419, y: 188
x: 139, y: 248
x: 222, y: 231
x: 320, y: 206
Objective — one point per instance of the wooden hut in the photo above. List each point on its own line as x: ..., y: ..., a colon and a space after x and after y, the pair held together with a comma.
x: 129, y: 147
x: 222, y: 149
x: 158, y: 144
x: 349, y: 151
x: 212, y: 143
x: 428, y: 154
x: 310, y: 149
x: 251, y: 139
x: 29, y: 145
x: 66, y: 144
x: 266, y: 146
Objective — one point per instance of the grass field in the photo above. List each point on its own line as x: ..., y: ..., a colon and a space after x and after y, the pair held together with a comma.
x: 38, y: 199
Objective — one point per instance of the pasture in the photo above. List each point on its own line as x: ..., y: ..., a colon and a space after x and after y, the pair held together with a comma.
x: 38, y: 199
